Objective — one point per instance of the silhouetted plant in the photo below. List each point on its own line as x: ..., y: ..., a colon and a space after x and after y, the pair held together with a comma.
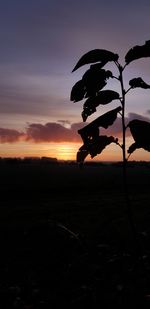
x: 90, y: 88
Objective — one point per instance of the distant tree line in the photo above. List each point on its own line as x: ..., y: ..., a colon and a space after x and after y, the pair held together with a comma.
x: 55, y: 161
x: 29, y: 160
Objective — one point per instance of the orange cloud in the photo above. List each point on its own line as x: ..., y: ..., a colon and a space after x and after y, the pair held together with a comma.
x: 10, y: 136
x: 52, y: 132
x: 56, y: 132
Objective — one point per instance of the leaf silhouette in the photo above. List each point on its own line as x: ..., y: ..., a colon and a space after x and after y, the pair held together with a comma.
x: 95, y: 79
x: 138, y: 52
x: 98, y: 146
x: 138, y: 82
x: 96, y: 55
x: 82, y: 153
x: 78, y: 91
x: 140, y: 131
x: 87, y: 111
x: 91, y: 131
x: 133, y: 147
x: 94, y: 147
x: 103, y: 97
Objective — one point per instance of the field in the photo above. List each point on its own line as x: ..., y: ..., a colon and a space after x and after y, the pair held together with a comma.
x: 66, y: 239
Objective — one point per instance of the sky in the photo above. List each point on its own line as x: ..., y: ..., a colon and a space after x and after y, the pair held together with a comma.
x: 41, y: 41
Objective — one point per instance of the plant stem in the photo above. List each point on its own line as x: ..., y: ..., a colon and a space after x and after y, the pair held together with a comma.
x: 137, y: 244
x: 125, y: 186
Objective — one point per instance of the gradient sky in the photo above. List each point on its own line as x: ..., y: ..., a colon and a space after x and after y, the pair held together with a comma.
x: 41, y: 41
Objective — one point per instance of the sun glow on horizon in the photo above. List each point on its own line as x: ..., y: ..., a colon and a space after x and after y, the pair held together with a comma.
x: 66, y: 151
x: 61, y: 151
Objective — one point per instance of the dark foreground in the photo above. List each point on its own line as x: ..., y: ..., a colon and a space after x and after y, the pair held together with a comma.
x: 66, y: 240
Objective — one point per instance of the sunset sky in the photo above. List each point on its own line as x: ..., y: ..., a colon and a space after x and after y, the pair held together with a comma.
x: 41, y: 41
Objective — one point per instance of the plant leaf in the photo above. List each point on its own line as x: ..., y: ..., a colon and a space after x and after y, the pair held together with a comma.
x: 103, y: 97
x: 95, y: 79
x: 94, y: 147
x: 138, y: 82
x: 82, y: 153
x: 133, y: 147
x: 91, y: 131
x: 87, y: 111
x: 138, y: 52
x: 78, y: 91
x: 98, y: 146
x: 96, y: 55
x: 140, y: 131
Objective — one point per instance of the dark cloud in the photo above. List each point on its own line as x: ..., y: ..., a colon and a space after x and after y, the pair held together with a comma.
x: 39, y: 133
x: 13, y: 102
x: 65, y: 123
x: 132, y: 116
x: 42, y: 30
x: 53, y: 132
x: 50, y: 132
x: 116, y: 128
x: 46, y: 38
x: 10, y: 136
x: 21, y: 99
x: 56, y: 132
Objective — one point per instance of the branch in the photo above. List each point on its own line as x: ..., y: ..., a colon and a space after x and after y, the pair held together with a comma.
x: 124, y: 67
x: 126, y: 127
x: 117, y: 63
x: 128, y: 156
x: 115, y: 77
x: 128, y: 90
x: 121, y: 101
x: 117, y: 143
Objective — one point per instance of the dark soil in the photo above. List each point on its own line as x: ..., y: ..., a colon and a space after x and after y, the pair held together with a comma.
x: 66, y: 240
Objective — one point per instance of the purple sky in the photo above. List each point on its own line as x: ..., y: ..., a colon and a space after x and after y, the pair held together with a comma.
x: 41, y: 41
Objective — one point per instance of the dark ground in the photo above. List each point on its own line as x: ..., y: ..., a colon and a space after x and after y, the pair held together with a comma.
x: 65, y: 237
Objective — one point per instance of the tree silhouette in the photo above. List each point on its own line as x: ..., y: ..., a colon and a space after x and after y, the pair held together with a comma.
x: 90, y: 88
